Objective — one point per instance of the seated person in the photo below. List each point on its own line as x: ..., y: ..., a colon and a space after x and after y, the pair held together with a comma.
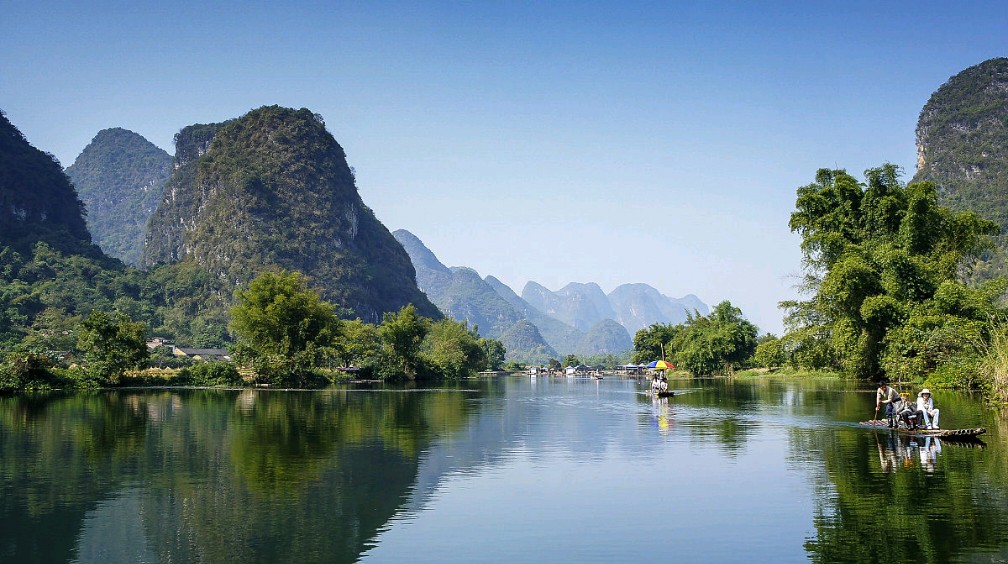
x: 908, y: 412
x: 925, y: 405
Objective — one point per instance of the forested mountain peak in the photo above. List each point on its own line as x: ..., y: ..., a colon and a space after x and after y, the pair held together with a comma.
x: 272, y: 189
x: 962, y: 146
x: 37, y: 201
x: 120, y: 176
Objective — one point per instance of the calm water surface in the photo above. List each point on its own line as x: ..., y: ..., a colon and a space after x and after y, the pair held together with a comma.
x: 511, y: 469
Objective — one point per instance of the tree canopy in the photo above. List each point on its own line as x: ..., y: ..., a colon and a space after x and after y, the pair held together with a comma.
x: 883, y: 263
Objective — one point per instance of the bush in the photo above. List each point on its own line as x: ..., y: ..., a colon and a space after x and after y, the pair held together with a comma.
x: 210, y: 374
x: 957, y: 372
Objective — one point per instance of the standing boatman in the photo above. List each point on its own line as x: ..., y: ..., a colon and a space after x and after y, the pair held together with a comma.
x: 889, y: 397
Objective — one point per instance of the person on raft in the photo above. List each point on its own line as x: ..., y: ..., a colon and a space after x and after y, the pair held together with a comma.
x: 907, y: 411
x: 663, y: 385
x: 889, y: 397
x: 655, y: 383
x: 925, y: 405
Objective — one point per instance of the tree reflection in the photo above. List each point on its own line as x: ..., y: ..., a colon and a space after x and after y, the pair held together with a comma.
x: 887, y: 498
x: 247, y: 475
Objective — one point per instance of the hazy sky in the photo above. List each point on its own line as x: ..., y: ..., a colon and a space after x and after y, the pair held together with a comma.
x: 551, y: 141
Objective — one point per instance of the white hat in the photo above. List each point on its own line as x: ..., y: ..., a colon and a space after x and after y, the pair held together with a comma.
x: 924, y: 391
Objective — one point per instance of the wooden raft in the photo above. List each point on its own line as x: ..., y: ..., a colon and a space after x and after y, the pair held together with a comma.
x: 922, y: 432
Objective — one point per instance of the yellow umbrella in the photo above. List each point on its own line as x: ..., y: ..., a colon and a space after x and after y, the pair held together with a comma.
x: 662, y: 365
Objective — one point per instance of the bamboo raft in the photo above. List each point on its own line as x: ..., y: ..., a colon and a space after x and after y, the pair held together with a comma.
x: 949, y: 434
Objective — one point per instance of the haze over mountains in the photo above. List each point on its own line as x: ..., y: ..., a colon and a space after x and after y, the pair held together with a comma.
x: 578, y: 318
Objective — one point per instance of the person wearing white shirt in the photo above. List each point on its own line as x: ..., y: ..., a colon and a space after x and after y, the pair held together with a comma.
x: 926, y: 405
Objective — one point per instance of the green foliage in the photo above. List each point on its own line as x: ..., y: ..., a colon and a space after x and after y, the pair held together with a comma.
x: 608, y: 361
x: 27, y: 371
x: 210, y: 374
x: 571, y: 360
x: 402, y: 335
x: 653, y: 342
x: 112, y: 344
x: 494, y: 352
x: 882, y: 265
x: 283, y: 328
x: 120, y: 176
x: 452, y: 349
x: 719, y: 343
x: 770, y: 352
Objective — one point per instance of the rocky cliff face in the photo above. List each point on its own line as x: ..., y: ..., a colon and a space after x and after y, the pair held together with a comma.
x: 37, y: 200
x: 120, y: 176
x: 272, y: 189
x: 962, y: 146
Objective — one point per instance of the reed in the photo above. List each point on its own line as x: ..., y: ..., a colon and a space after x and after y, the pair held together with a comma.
x: 994, y: 367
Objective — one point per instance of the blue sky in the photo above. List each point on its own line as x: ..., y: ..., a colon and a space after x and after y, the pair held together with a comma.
x: 603, y: 141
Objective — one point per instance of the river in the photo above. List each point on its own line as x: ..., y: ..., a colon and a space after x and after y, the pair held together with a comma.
x: 513, y: 469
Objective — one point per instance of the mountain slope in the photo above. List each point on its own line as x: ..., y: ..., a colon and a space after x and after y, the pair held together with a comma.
x: 120, y: 176
x: 524, y: 343
x: 638, y: 306
x: 962, y: 146
x: 576, y: 304
x: 272, y: 189
x: 560, y: 336
x: 607, y: 336
x: 459, y: 292
x: 37, y: 200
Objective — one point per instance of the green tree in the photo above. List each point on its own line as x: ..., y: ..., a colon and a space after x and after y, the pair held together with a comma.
x: 883, y: 264
x: 717, y: 343
x: 401, y: 334
x: 282, y: 327
x: 112, y: 344
x: 357, y: 344
x: 652, y: 343
x: 769, y: 352
x: 453, y: 350
x: 494, y: 351
x: 572, y: 360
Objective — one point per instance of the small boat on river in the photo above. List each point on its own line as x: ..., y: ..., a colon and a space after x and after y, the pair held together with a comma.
x: 947, y: 434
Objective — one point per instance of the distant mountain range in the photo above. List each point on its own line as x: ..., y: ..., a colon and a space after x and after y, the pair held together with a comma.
x: 542, y: 324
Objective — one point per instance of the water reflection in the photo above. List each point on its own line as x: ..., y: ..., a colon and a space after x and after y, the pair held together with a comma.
x: 512, y: 469
x: 902, y: 451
